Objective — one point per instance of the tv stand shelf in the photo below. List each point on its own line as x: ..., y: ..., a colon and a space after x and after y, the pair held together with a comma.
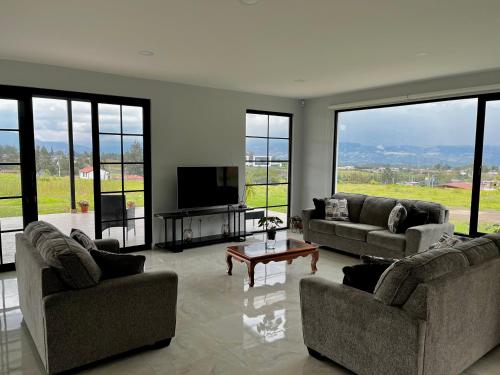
x: 177, y: 245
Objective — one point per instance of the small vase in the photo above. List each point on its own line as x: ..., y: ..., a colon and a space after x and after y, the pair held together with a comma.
x: 188, y: 235
x: 271, y: 234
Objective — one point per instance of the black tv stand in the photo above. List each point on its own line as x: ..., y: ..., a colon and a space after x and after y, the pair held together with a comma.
x: 237, y: 233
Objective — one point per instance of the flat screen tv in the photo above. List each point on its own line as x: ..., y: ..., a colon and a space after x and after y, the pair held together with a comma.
x: 206, y: 186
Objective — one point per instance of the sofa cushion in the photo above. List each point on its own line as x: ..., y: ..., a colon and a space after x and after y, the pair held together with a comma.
x: 384, y: 238
x: 438, y: 214
x: 448, y: 240
x: 399, y: 281
x: 354, y: 231
x: 376, y: 211
x: 319, y: 208
x: 478, y: 250
x: 354, y: 204
x: 118, y: 265
x: 75, y: 265
x: 323, y: 226
x: 36, y: 229
x: 495, y: 237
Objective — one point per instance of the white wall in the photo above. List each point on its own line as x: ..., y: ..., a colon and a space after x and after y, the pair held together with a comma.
x: 318, y: 125
x: 189, y: 125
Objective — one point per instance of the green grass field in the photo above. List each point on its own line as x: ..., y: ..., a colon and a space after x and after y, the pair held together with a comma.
x: 54, y: 196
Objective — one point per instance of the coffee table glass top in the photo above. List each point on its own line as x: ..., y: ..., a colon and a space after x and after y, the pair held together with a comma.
x: 281, y: 246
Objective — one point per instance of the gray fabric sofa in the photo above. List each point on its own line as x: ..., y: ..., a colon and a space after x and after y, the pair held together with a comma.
x: 435, y: 313
x: 366, y: 231
x: 71, y: 328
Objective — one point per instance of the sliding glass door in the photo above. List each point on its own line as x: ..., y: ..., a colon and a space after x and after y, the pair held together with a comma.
x: 11, y: 202
x: 121, y: 157
x: 75, y: 160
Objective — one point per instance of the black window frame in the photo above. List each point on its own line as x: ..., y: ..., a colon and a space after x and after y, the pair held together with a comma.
x: 24, y: 95
x: 482, y: 99
x: 267, y: 161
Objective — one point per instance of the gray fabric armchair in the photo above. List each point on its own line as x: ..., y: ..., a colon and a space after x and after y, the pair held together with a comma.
x: 71, y: 328
x: 366, y: 231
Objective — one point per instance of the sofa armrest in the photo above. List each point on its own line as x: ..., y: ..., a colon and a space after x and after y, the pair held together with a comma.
x: 109, y: 244
x: 306, y: 217
x: 115, y: 316
x: 419, y: 238
x: 352, y: 328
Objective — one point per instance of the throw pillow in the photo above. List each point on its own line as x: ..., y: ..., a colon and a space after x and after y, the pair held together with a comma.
x: 336, y: 209
x: 448, y: 240
x: 84, y: 240
x: 396, y: 218
x: 319, y: 208
x: 364, y: 276
x: 414, y: 217
x: 370, y: 259
x: 118, y: 265
x: 73, y: 263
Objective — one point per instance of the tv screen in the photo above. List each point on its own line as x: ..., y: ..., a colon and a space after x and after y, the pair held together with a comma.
x: 206, y: 186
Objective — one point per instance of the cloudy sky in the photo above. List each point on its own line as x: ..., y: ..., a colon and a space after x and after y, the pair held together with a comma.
x: 441, y: 123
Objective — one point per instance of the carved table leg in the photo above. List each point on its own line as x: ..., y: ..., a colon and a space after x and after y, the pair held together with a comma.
x: 229, y: 264
x: 251, y: 268
x: 315, y: 257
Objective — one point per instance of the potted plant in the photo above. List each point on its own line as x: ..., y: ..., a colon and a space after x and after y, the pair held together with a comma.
x: 84, y: 206
x: 270, y: 223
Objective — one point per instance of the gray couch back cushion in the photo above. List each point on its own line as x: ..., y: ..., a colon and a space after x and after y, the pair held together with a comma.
x: 438, y: 214
x: 399, y: 281
x: 74, y: 264
x: 478, y: 250
x: 495, y: 237
x: 37, y: 229
x: 376, y: 211
x: 354, y: 204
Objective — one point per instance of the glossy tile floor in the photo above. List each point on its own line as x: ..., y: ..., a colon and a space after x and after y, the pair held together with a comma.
x: 224, y: 327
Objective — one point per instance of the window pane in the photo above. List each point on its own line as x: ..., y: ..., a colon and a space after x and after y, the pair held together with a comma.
x: 132, y: 149
x: 110, y: 148
x: 277, y: 195
x: 280, y: 212
x: 256, y: 174
x: 279, y: 126
x: 133, y: 177
x: 278, y: 172
x: 9, y: 147
x: 8, y: 114
x: 135, y: 199
x: 111, y: 177
x: 132, y: 120
x: 10, y: 180
x: 278, y: 149
x: 8, y: 247
x: 256, y: 196
x: 11, y: 214
x: 109, y: 118
x: 256, y: 149
x: 256, y: 125
x: 419, y: 151
x: 489, y: 204
x: 134, y: 232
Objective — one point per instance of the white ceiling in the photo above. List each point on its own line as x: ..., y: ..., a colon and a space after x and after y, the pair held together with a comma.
x: 333, y: 45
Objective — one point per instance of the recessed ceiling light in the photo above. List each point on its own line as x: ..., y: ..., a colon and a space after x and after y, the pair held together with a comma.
x: 422, y: 54
x: 145, y: 52
x: 299, y: 80
x: 249, y: 2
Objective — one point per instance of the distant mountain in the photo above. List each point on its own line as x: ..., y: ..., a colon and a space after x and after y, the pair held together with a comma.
x: 357, y: 154
x: 63, y: 146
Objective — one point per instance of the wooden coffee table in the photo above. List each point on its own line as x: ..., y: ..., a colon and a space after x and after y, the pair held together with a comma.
x: 255, y: 253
